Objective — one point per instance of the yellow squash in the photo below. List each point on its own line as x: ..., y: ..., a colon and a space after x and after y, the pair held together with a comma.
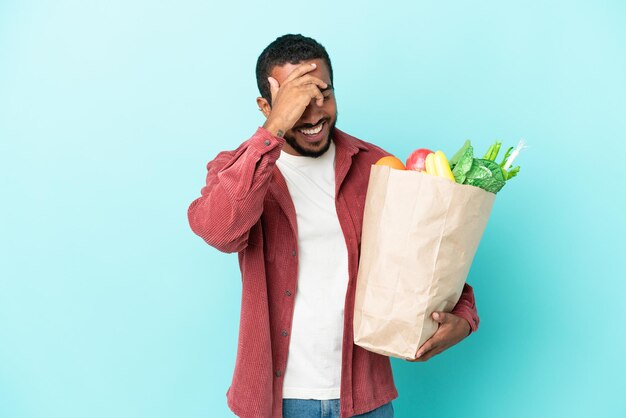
x: 442, y: 166
x: 430, y: 164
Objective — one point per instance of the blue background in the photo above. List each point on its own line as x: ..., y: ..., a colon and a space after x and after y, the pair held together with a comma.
x: 109, y: 111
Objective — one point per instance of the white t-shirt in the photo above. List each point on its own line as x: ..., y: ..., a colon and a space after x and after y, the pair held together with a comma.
x: 314, y: 361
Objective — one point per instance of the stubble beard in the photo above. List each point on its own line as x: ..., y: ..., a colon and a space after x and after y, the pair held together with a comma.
x: 308, y: 152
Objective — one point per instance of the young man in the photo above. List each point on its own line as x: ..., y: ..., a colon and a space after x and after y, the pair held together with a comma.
x: 290, y: 201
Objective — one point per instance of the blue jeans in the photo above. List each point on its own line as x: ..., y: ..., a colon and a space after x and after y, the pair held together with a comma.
x: 311, y: 408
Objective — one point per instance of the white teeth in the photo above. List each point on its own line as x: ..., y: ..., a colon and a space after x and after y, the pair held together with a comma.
x: 313, y: 131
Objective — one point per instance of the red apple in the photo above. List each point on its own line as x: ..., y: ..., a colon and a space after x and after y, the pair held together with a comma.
x: 417, y: 159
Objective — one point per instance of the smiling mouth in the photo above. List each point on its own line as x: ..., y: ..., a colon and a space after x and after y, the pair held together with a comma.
x: 314, y: 130
x: 314, y: 133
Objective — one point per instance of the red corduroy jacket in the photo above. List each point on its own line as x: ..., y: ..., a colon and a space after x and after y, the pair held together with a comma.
x: 245, y: 207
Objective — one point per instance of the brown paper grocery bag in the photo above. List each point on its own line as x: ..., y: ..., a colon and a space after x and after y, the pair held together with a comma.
x: 420, y: 234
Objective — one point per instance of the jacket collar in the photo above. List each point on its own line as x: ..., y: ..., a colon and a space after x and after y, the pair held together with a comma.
x: 346, y: 146
x: 347, y: 143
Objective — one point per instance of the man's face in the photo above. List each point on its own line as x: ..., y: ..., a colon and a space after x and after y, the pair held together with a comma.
x: 312, y: 133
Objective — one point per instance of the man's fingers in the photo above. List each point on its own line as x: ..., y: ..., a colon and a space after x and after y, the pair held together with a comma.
x: 429, y: 345
x: 312, y: 85
x: 273, y: 87
x: 423, y: 355
x: 430, y: 354
x: 450, y: 331
x: 432, y: 343
x: 300, y: 70
x: 440, y: 317
x: 424, y: 348
x: 309, y: 79
x: 316, y: 94
x: 429, y: 349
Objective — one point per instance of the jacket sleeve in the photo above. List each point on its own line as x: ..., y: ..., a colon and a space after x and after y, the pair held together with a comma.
x: 466, y: 307
x: 231, y: 202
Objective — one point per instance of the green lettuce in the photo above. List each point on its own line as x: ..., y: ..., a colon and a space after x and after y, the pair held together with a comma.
x: 485, y: 174
x: 463, y: 164
x: 456, y: 157
x: 480, y: 172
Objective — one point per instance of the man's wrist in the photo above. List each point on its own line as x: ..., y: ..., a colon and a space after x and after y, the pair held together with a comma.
x: 274, y: 128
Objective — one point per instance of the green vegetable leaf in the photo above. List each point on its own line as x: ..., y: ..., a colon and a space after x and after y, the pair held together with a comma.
x: 456, y: 157
x: 488, y: 153
x: 485, y: 174
x: 496, y: 150
x: 493, y: 151
x: 463, y: 165
x: 506, y: 156
x: 512, y: 172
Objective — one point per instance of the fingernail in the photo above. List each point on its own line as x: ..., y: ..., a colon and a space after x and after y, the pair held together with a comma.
x: 313, y: 65
x: 436, y: 316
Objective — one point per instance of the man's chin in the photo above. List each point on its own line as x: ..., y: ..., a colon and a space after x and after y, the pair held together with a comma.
x: 310, y: 149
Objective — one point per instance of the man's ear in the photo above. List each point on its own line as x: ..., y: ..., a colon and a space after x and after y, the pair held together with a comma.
x: 264, y: 106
